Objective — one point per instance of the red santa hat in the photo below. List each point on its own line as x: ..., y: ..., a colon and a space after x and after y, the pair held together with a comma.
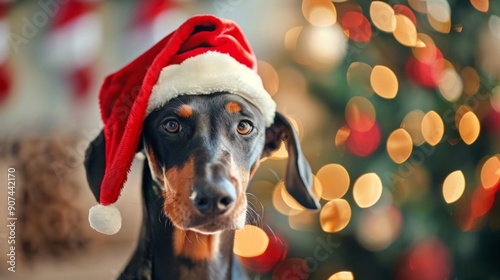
x: 203, y: 56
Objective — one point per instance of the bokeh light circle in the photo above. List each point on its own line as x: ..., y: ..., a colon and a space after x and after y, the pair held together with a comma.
x: 335, y: 181
x: 250, y: 241
x: 357, y: 27
x: 453, y: 186
x: 405, y: 32
x: 469, y: 127
x: 432, y: 128
x: 342, y: 275
x: 399, y: 145
x: 367, y: 190
x: 450, y: 85
x: 360, y: 114
x: 384, y: 82
x: 270, y: 79
x: 378, y: 227
x: 358, y: 77
x: 490, y: 172
x: 335, y: 215
x: 319, y: 12
x: 383, y: 16
x: 412, y: 123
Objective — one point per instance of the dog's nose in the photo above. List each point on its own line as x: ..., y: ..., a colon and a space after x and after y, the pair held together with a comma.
x: 216, y: 198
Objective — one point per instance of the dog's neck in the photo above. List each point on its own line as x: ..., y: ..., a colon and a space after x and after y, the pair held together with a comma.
x: 166, y: 252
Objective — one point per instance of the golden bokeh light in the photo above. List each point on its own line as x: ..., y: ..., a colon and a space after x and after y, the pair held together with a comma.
x: 490, y: 172
x: 418, y: 5
x: 342, y: 275
x: 427, y: 53
x: 453, y: 186
x: 382, y: 15
x: 420, y: 43
x: 412, y: 123
x: 469, y: 127
x: 291, y: 37
x: 335, y: 181
x: 367, y: 190
x: 471, y: 80
x: 495, y: 98
x: 335, y: 215
x: 399, y: 145
x: 481, y: 5
x: 321, y: 47
x: 450, y: 85
x: 251, y: 241
x: 360, y: 114
x: 291, y: 44
x: 405, y: 32
x: 384, y: 82
x: 379, y: 227
x: 439, y: 10
x: 342, y: 135
x: 319, y: 12
x: 269, y: 76
x: 358, y: 76
x: 442, y: 27
x: 278, y: 202
x: 432, y: 128
x: 304, y: 220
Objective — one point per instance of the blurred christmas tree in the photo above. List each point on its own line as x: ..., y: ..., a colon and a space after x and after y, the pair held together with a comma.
x: 409, y: 165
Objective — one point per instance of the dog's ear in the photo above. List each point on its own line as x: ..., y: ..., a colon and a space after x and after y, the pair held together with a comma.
x: 298, y: 177
x: 95, y: 164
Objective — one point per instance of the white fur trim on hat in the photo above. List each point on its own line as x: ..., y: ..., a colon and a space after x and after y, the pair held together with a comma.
x: 208, y: 73
x: 105, y: 219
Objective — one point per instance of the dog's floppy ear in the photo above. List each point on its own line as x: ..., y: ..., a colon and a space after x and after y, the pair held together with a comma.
x: 298, y: 177
x: 95, y: 163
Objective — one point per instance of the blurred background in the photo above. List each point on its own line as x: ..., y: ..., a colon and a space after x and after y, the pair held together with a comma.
x: 397, y: 105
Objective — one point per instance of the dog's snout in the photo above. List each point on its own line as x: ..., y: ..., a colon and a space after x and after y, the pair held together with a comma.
x: 213, y: 197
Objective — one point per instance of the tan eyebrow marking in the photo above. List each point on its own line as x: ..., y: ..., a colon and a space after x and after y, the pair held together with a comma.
x: 233, y: 107
x: 185, y: 111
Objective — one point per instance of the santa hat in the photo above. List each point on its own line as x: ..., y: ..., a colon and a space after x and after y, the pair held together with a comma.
x: 204, y: 55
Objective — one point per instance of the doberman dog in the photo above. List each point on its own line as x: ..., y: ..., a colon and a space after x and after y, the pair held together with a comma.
x: 201, y: 152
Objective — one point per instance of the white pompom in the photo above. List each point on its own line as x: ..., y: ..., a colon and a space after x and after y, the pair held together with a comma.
x: 105, y: 219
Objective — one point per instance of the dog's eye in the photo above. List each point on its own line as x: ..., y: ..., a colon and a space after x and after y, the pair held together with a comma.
x: 244, y: 127
x: 172, y: 126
